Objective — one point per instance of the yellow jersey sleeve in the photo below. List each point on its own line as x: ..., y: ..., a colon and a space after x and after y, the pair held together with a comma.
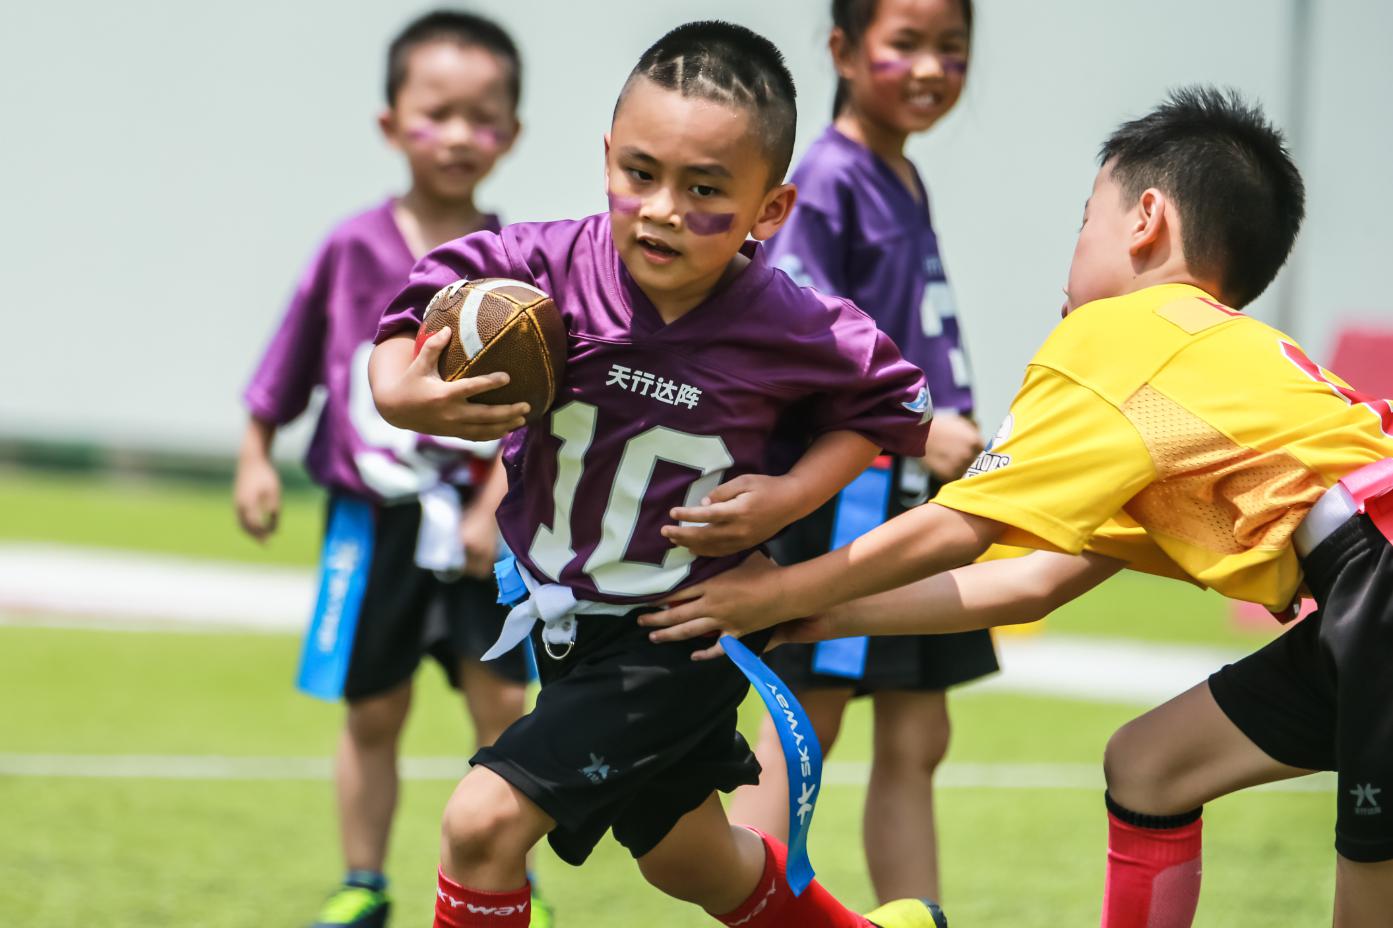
x: 1064, y: 462
x: 1123, y: 539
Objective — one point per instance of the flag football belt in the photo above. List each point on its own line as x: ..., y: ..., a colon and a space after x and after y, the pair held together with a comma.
x: 556, y: 607
x: 1368, y: 490
x: 861, y: 506
x: 552, y: 604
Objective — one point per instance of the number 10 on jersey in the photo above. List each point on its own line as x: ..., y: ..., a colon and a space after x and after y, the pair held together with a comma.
x: 552, y: 550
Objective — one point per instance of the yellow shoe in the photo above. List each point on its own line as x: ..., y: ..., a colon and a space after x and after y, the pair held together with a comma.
x: 908, y: 913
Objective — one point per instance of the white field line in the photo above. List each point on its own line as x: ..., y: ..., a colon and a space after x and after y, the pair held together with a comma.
x: 113, y: 588
x: 951, y: 775
x: 59, y: 586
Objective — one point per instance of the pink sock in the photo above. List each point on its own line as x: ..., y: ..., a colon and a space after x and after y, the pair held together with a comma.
x: 1153, y: 876
x: 457, y: 906
x: 773, y: 905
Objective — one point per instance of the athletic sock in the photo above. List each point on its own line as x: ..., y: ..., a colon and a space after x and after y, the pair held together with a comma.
x: 773, y: 905
x: 1153, y: 878
x: 367, y: 879
x: 458, y: 906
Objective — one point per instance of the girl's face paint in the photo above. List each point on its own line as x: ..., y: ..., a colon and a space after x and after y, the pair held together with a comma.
x: 906, y: 70
x: 708, y: 223
x: 892, y: 67
x: 953, y: 65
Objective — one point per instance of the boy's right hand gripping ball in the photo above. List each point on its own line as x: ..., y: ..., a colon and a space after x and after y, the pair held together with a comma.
x: 498, y: 324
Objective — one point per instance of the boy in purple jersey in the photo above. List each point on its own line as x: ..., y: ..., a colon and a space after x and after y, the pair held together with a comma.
x: 395, y: 531
x: 688, y: 354
x: 862, y: 230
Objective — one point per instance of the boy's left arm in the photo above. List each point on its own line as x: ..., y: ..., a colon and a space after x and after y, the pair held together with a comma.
x: 752, y: 508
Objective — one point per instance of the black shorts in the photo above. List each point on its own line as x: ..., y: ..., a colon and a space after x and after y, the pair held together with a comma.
x: 626, y: 735
x: 1321, y: 695
x: 898, y: 662
x: 408, y: 612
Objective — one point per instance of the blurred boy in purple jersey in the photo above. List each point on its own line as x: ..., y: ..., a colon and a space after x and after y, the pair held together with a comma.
x: 690, y: 358
x: 862, y: 230
x: 408, y: 514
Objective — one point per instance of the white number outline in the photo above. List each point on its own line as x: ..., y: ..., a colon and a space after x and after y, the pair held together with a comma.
x: 551, y: 549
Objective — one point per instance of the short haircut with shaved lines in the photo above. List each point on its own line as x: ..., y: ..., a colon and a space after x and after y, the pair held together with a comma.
x: 730, y: 64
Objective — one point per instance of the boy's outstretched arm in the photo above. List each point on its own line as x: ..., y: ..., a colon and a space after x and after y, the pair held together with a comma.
x: 1010, y: 591
x: 410, y: 393
x: 924, y: 541
x: 753, y: 508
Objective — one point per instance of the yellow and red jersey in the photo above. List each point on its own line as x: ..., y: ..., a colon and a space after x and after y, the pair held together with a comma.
x: 1169, y: 431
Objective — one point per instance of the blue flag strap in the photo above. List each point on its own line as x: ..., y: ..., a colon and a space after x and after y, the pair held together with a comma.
x: 512, y: 589
x: 861, y: 506
x: 802, y: 755
x: 343, y: 579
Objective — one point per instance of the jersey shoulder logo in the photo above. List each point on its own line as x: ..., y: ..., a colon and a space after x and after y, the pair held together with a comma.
x: 922, y: 405
x: 990, y: 460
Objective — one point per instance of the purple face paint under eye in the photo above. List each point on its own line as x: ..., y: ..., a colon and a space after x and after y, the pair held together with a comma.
x: 626, y: 205
x: 423, y: 134
x: 895, y: 67
x: 709, y: 223
x: 892, y: 66
x: 491, y: 137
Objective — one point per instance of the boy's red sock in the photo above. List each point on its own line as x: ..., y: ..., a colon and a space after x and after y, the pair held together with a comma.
x: 458, y: 906
x: 1153, y: 878
x: 773, y: 905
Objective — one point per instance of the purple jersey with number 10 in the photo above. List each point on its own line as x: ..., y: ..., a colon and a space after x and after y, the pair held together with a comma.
x: 653, y: 415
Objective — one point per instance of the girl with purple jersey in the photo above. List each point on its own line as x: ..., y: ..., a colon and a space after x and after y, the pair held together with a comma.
x: 861, y: 230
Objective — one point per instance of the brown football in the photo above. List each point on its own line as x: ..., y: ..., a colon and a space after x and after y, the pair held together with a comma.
x: 498, y: 324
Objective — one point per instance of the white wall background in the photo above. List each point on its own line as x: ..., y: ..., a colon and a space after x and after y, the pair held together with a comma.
x: 167, y: 167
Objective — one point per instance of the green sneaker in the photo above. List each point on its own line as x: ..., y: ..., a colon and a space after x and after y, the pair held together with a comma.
x: 543, y: 915
x: 354, y: 907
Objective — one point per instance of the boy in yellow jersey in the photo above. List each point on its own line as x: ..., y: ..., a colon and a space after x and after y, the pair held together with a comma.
x: 1161, y: 429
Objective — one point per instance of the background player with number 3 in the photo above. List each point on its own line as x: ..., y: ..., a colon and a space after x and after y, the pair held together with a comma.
x: 862, y: 230
x: 692, y: 362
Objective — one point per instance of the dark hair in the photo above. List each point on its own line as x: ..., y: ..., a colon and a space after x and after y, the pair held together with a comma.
x: 854, y: 17
x: 466, y: 30
x: 1228, y: 171
x: 728, y: 63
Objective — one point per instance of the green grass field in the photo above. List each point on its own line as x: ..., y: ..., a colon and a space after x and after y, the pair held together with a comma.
x: 131, y: 852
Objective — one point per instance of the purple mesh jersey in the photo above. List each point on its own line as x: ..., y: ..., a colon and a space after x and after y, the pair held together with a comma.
x: 325, y: 338
x: 652, y: 416
x: 857, y: 232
